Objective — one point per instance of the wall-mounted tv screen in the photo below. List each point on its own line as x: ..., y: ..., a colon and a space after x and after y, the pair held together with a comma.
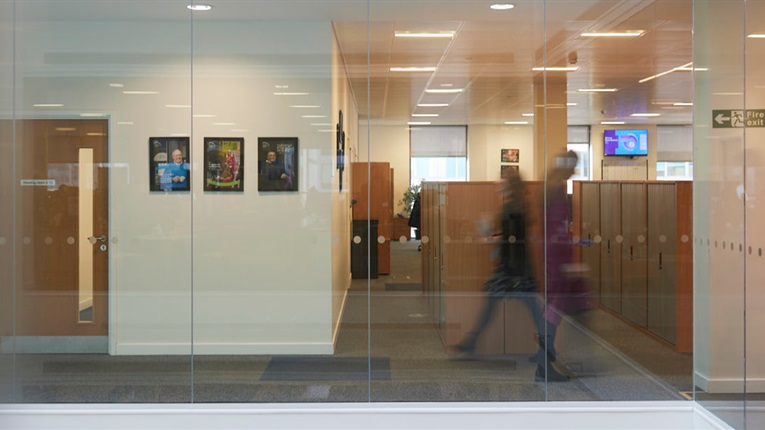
x: 625, y: 142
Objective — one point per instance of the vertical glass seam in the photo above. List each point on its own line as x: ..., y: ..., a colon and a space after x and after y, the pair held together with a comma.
x: 369, y: 188
x: 191, y: 203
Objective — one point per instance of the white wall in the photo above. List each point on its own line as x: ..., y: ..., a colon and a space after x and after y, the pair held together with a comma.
x: 244, y: 272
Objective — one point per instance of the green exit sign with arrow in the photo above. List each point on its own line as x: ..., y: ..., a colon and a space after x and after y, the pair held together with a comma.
x: 738, y: 118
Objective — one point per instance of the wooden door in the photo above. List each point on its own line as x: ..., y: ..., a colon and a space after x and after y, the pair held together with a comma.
x: 62, y: 227
x: 610, y: 248
x: 661, y: 287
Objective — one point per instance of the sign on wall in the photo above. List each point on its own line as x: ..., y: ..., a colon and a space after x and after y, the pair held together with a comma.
x: 738, y: 118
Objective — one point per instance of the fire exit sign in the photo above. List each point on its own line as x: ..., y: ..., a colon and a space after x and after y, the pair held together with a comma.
x: 732, y: 118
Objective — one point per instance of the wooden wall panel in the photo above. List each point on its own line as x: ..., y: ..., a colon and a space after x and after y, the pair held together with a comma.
x: 372, y: 191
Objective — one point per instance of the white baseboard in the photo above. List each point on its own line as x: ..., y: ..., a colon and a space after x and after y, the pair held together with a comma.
x: 729, y: 385
x: 675, y: 415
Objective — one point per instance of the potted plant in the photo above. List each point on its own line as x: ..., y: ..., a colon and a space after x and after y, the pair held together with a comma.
x: 407, y: 201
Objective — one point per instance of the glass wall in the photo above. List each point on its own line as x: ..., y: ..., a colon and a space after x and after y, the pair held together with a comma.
x: 209, y: 206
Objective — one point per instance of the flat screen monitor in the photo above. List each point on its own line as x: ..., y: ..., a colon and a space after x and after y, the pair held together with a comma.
x: 629, y: 143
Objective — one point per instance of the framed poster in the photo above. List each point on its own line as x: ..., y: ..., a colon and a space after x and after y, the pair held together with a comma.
x: 277, y: 164
x: 169, y: 164
x: 340, y: 147
x: 224, y: 164
x: 510, y: 155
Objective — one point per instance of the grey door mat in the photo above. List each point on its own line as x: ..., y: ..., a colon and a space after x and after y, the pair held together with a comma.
x: 327, y: 369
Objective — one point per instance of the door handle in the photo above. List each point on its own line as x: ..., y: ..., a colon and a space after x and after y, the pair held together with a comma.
x: 93, y: 239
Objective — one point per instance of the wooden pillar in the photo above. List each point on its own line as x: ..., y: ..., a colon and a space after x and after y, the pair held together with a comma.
x: 550, y: 121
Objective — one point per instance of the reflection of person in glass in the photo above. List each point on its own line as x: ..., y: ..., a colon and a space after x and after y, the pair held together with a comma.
x: 176, y: 173
x: 273, y: 175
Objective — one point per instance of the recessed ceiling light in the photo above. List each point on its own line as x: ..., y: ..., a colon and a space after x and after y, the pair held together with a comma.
x: 95, y: 134
x: 424, y: 114
x: 597, y: 90
x: 502, y: 6
x: 433, y: 104
x: 527, y: 114
x: 116, y: 85
x: 444, y: 91
x: 313, y: 116
x: 199, y: 7
x: 756, y: 36
x: 305, y: 106
x: 140, y: 92
x: 65, y: 129
x: 412, y: 69
x: 612, y: 122
x: 424, y: 35
x: 682, y: 104
x: 48, y: 105
x: 447, y: 85
x: 645, y: 114
x: 556, y: 69
x: 634, y: 33
x: 516, y: 122
x: 570, y: 104
x: 418, y: 123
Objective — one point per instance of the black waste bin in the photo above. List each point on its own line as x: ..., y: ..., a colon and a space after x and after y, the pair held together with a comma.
x: 364, y: 253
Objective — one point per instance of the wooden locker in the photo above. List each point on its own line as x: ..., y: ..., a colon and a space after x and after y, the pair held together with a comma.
x: 661, y: 285
x: 590, y: 228
x: 633, y: 252
x: 610, y: 249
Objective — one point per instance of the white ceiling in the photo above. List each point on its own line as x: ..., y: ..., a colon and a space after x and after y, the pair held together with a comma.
x: 491, y: 55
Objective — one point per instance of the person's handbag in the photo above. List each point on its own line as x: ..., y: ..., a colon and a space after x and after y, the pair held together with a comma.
x: 501, y: 283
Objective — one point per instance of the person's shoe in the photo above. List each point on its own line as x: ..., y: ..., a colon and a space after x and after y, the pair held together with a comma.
x: 464, y: 352
x: 552, y: 375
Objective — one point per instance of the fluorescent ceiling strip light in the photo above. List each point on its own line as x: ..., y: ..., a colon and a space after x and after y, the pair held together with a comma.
x: 424, y: 114
x: 597, y: 90
x: 199, y: 7
x: 433, y: 104
x: 305, y: 106
x: 516, y: 122
x: 447, y: 85
x: 645, y: 114
x: 756, y: 36
x: 502, y: 6
x: 140, y: 92
x: 634, y: 33
x: 450, y: 91
x: 418, y: 123
x: 96, y: 134
x: 65, y: 129
x: 570, y: 104
x: 682, y: 104
x: 92, y: 115
x: 412, y: 69
x: 612, y: 122
x: 179, y: 106
x: 292, y: 94
x: 424, y: 35
x: 527, y: 114
x: 48, y: 105
x: 124, y: 122
x: 116, y: 85
x: 691, y: 69
x: 556, y: 69
x: 313, y: 116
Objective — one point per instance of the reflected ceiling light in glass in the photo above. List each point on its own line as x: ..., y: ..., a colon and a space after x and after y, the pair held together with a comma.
x: 425, y: 35
x: 596, y: 90
x: 447, y: 85
x: 179, y: 106
x: 95, y: 134
x: 756, y: 36
x: 418, y: 122
x: 412, y: 69
x: 682, y: 104
x: 612, y: 122
x: 47, y: 105
x: 115, y: 85
x: 424, y: 114
x: 556, y: 69
x: 433, y: 104
x: 632, y: 33
x: 502, y: 6
x: 570, y: 104
x: 313, y: 116
x: 516, y: 122
x: 527, y: 114
x: 140, y: 92
x: 65, y: 129
x: 444, y: 91
x: 684, y: 67
x: 125, y: 123
x: 645, y: 114
x: 199, y: 7
x: 305, y: 106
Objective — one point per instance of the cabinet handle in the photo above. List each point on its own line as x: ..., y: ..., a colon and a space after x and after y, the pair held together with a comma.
x: 660, y: 261
x: 630, y: 252
x: 608, y: 242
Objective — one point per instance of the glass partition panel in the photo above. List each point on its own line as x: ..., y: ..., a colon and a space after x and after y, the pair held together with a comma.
x: 276, y: 317
x: 720, y: 212
x: 6, y: 199
x: 101, y: 179
x: 616, y: 265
